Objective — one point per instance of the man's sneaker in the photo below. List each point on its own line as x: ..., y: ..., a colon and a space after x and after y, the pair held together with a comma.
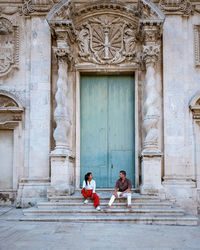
x: 98, y: 208
x: 106, y: 208
x: 85, y: 201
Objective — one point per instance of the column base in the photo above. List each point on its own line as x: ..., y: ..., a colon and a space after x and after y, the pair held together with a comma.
x: 151, y: 173
x: 62, y: 173
x: 184, y: 191
x: 31, y: 191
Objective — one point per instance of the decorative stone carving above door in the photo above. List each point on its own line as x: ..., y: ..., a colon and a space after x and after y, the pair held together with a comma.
x: 107, y: 40
x: 103, y: 32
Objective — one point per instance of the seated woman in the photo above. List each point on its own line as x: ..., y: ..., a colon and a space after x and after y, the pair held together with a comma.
x: 88, y: 190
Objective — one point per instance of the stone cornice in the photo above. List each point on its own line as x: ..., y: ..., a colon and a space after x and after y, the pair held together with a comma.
x: 42, y: 7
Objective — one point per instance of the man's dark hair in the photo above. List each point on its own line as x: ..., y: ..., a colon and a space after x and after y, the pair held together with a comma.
x: 123, y: 172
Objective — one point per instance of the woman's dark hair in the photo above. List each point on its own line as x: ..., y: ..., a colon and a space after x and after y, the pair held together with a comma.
x: 87, y: 176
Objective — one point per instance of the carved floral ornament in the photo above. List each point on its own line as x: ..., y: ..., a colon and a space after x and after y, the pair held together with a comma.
x: 106, y: 32
x: 9, y: 46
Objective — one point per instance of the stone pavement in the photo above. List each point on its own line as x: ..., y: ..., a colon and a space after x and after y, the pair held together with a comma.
x: 91, y: 236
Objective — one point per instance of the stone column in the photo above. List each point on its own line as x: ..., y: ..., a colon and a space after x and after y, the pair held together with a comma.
x: 61, y: 164
x: 151, y: 153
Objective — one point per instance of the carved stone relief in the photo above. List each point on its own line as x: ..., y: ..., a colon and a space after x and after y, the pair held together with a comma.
x: 197, y: 44
x: 10, y: 111
x: 9, y: 46
x: 195, y: 107
x: 6, y: 102
x: 105, y: 33
x: 107, y: 40
x: 183, y: 7
x: 36, y: 7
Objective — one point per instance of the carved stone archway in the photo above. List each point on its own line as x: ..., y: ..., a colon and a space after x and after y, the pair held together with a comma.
x: 104, y: 35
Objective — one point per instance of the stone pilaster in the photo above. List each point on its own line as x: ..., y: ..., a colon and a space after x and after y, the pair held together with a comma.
x: 151, y: 153
x: 61, y: 114
x: 62, y: 172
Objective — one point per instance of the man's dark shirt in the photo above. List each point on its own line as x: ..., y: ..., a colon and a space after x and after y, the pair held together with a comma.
x: 122, y: 186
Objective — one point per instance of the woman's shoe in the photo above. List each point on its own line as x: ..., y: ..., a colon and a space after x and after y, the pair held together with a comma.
x: 85, y: 201
x: 98, y: 208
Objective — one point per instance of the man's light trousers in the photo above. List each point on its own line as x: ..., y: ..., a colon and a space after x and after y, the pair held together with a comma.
x: 128, y: 195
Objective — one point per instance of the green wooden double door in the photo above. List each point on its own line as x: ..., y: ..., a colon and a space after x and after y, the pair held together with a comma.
x: 107, y: 128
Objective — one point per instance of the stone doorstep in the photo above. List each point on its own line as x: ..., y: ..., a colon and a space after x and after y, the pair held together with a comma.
x: 90, y: 204
x: 103, y: 198
x: 90, y: 211
x: 186, y: 220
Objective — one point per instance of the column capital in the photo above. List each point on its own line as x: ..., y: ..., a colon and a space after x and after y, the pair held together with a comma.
x: 63, y: 53
x: 150, y: 54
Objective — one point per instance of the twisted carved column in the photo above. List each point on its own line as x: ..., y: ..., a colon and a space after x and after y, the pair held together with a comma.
x: 151, y: 105
x: 61, y: 114
x: 151, y: 154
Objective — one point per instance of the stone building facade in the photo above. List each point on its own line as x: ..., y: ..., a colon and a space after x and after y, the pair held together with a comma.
x: 48, y: 46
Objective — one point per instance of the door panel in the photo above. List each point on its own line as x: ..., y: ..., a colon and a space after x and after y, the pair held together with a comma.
x: 6, y: 159
x: 120, y: 160
x: 94, y: 128
x: 121, y: 126
x: 107, y: 128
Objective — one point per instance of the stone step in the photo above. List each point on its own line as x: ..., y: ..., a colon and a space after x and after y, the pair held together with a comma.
x: 107, y: 190
x: 186, y: 220
x: 137, y: 204
x: 91, y: 211
x: 103, y: 198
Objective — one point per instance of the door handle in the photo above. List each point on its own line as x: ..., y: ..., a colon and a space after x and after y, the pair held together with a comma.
x: 111, y: 165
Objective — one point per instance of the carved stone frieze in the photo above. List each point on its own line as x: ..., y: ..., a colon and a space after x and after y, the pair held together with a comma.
x: 9, y: 10
x: 197, y: 44
x: 9, y: 46
x: 32, y: 7
x: 182, y: 7
x: 106, y: 40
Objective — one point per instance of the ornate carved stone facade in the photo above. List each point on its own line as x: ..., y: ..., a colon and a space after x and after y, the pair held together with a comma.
x: 60, y: 41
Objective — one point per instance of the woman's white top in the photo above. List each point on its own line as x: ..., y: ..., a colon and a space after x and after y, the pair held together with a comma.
x: 90, y: 185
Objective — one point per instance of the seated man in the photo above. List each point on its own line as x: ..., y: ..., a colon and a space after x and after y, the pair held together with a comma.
x: 122, y: 189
